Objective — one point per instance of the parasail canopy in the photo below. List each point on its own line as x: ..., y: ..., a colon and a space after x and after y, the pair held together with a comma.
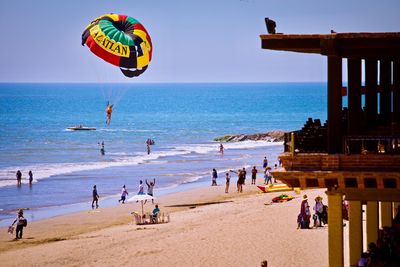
x: 119, y: 40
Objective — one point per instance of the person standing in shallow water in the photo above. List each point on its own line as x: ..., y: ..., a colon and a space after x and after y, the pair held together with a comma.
x: 19, y: 177
x: 95, y: 197
x: 30, y: 177
x: 221, y: 149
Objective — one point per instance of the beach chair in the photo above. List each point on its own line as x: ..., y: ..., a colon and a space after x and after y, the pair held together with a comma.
x: 165, y: 218
x: 137, y: 218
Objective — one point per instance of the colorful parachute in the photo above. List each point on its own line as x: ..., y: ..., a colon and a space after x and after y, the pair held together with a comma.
x: 120, y: 40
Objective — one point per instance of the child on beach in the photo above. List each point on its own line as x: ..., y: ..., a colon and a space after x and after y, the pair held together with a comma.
x: 267, y: 176
x: 124, y: 193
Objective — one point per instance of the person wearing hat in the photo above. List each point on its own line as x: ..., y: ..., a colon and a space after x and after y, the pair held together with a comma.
x: 305, y: 213
x: 21, y: 222
x: 319, y: 210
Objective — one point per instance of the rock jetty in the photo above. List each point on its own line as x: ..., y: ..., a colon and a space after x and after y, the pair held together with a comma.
x: 273, y: 136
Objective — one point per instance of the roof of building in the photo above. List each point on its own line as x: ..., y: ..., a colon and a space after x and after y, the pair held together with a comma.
x: 361, y: 44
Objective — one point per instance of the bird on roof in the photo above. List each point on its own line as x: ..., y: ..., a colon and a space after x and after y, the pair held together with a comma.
x: 332, y: 31
x: 271, y: 25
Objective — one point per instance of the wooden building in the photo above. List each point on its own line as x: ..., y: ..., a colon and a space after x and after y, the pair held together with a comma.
x: 356, y: 153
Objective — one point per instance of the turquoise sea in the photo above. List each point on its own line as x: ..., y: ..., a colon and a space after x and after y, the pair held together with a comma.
x: 183, y: 119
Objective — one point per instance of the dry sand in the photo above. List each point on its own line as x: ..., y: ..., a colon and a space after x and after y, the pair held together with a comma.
x: 239, y: 231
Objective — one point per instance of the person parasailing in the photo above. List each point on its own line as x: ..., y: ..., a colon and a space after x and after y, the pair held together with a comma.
x: 109, y: 112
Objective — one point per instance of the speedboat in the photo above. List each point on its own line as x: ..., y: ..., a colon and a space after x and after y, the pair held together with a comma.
x: 81, y: 128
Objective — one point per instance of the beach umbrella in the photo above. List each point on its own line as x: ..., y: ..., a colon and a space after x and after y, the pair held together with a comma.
x: 141, y: 198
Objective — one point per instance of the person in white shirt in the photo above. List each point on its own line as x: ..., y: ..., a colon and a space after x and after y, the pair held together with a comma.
x: 124, y: 193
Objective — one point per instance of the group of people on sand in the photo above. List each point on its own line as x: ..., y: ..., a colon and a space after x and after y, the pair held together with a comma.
x: 19, y: 177
x: 320, y: 216
x: 242, y: 175
x: 125, y: 193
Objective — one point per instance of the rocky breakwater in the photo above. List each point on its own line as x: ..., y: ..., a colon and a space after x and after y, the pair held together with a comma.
x: 273, y: 136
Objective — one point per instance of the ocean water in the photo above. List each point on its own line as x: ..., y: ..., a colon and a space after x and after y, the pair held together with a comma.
x: 183, y: 119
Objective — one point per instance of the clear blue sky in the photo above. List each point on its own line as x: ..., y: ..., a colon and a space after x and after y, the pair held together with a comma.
x: 193, y: 40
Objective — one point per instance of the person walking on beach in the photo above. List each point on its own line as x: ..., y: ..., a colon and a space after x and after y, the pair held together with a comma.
x: 141, y: 188
x: 150, y: 187
x: 214, y: 177
x: 30, y: 177
x: 19, y: 177
x: 228, y: 179
x: 95, y: 197
x: 265, y: 163
x: 124, y: 193
x: 253, y: 175
x: 21, y: 223
x: 244, y: 175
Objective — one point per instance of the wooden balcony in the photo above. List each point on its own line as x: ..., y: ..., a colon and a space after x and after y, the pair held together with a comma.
x: 359, y: 177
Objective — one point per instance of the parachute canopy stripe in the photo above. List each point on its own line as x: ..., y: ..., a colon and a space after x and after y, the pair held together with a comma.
x: 98, y: 51
x: 119, y: 40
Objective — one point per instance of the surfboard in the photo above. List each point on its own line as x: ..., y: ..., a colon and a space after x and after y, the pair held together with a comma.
x: 274, y: 188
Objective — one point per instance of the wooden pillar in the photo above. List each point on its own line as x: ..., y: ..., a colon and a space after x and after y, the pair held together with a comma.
x: 335, y: 230
x: 354, y: 95
x: 355, y: 231
x: 396, y: 92
x: 372, y: 221
x: 386, y: 214
x: 371, y: 97
x: 385, y: 101
x: 334, y: 105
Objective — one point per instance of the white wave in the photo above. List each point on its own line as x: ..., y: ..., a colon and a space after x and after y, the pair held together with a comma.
x: 43, y: 171
x: 129, y: 130
x: 212, y: 147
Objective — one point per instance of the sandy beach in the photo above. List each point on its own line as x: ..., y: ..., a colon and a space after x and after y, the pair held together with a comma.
x: 231, y: 230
